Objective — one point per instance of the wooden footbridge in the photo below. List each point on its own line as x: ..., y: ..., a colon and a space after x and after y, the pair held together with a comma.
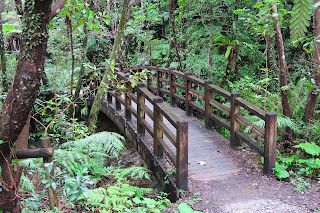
x: 174, y: 144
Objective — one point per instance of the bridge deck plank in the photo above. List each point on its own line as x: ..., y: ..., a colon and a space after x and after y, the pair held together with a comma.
x: 204, y: 146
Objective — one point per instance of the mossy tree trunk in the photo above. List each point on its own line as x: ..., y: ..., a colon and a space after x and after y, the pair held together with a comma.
x: 22, y: 95
x: 93, y: 116
x: 3, y: 57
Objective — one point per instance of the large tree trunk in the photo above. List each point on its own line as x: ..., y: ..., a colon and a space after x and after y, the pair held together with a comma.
x: 286, y: 108
x: 22, y: 94
x: 313, y: 92
x: 283, y: 66
x: 93, y: 116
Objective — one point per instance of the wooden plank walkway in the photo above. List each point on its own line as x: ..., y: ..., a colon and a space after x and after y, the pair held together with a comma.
x: 204, y: 145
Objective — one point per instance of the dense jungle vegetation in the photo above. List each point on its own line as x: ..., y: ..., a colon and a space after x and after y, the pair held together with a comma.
x: 266, y: 50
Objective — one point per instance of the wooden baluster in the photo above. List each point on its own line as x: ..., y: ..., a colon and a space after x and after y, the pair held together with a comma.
x: 117, y: 95
x: 159, y: 83
x: 182, y: 155
x: 53, y: 198
x: 139, y: 70
x: 208, y: 107
x: 234, y: 124
x: 128, y: 99
x: 140, y: 112
x: 149, y: 80
x: 158, y: 132
x: 172, y: 79
x: 109, y: 97
x: 270, y: 141
x: 188, y: 96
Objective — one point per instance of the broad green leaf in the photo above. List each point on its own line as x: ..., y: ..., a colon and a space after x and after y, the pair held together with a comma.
x: 310, y: 148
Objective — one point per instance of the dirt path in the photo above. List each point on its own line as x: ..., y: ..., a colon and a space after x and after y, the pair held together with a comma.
x: 251, y: 191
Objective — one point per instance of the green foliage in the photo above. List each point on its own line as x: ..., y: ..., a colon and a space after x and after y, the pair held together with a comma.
x: 310, y: 148
x: 184, y: 208
x: 307, y: 162
x: 300, y: 19
x: 125, y: 198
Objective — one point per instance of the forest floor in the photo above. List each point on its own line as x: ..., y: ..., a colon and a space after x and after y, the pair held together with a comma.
x: 247, y: 191
x: 251, y: 191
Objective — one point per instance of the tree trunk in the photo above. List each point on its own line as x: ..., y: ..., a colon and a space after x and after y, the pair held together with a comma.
x: 22, y: 95
x: 84, y: 47
x: 286, y: 108
x: 69, y: 23
x: 313, y: 92
x: 101, y: 90
x: 283, y: 66
x: 3, y: 58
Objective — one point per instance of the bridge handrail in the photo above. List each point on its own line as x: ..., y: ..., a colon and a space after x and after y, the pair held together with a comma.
x: 179, y: 139
x: 166, y: 81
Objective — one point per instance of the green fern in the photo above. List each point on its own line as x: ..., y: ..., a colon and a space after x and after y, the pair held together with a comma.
x: 91, y: 152
x: 300, y: 19
x: 122, y: 197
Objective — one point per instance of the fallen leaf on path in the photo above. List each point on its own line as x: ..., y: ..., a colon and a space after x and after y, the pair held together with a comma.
x: 202, y: 163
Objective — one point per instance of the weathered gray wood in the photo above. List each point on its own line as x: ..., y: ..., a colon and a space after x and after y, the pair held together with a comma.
x: 250, y: 142
x: 220, y: 91
x: 270, y: 142
x: 234, y: 124
x: 250, y: 107
x: 220, y: 106
x: 159, y: 83
x: 158, y: 132
x: 219, y: 121
x: 188, y: 96
x: 168, y: 133
x: 127, y: 102
x: 172, y: 79
x: 197, y: 94
x: 182, y: 155
x: 140, y: 112
x: 247, y: 123
x: 208, y: 107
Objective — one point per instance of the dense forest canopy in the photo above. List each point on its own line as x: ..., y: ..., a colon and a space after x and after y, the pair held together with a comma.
x: 266, y: 50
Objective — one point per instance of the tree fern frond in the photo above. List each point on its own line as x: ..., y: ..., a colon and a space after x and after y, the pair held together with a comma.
x: 300, y: 19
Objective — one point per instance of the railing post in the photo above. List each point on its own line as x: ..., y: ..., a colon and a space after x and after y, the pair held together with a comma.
x: 182, y: 155
x: 208, y: 107
x: 235, y: 125
x: 139, y: 70
x: 118, y: 103
x: 159, y: 83
x: 149, y: 80
x: 158, y: 132
x: 53, y: 198
x: 270, y: 140
x: 127, y: 101
x: 109, y: 97
x: 172, y: 79
x: 140, y: 112
x: 188, y: 96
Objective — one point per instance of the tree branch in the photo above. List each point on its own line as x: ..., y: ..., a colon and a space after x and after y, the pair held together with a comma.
x: 56, y: 8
